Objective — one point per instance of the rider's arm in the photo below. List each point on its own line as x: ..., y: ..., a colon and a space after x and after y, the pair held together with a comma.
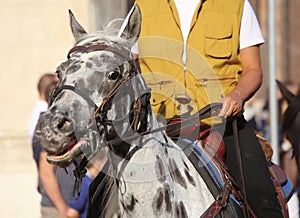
x: 51, y: 185
x: 249, y: 83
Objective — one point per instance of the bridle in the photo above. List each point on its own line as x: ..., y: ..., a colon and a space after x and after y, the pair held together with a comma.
x: 138, y: 115
x: 140, y: 108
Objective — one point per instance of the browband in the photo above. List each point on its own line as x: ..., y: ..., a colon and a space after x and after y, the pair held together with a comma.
x: 99, y: 47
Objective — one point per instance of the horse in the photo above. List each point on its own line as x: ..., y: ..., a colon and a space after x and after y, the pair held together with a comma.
x: 102, y: 101
x: 291, y: 120
x: 290, y: 127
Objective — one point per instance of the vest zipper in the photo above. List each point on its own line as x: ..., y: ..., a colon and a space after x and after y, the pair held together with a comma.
x: 203, y: 81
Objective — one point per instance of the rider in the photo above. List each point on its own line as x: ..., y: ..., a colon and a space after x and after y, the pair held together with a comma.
x: 211, y: 55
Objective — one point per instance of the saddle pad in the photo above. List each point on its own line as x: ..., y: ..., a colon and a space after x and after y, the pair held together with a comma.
x: 279, y: 177
x: 287, y: 188
x: 211, y: 176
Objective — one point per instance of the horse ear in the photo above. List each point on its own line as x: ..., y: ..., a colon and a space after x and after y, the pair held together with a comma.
x: 132, y: 30
x: 287, y: 95
x: 77, y: 30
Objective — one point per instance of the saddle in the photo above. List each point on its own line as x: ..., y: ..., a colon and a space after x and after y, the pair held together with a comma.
x: 211, y: 142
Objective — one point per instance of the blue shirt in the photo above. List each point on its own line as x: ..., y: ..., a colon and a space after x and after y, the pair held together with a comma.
x: 81, y: 203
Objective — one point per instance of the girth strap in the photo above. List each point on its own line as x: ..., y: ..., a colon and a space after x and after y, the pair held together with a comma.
x: 219, y: 203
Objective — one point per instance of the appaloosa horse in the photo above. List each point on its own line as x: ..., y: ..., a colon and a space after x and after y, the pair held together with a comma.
x: 102, y: 101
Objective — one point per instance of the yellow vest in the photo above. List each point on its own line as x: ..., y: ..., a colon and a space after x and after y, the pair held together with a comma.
x: 212, y: 65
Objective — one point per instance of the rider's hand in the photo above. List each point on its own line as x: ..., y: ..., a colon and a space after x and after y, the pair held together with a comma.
x: 232, y: 105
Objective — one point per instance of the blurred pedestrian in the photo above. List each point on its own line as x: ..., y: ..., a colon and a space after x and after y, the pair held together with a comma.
x: 54, y: 184
x: 41, y: 104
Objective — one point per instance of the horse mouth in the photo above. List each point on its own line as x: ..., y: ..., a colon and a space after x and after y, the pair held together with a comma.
x: 72, y: 150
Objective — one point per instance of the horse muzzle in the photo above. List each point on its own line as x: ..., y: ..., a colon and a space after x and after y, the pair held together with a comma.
x: 56, y: 133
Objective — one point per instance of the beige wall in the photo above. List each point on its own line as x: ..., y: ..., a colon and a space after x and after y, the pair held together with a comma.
x: 35, y: 38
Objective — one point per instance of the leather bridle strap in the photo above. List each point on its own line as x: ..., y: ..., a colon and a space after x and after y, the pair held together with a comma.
x: 99, y: 47
x: 74, y: 89
x: 208, y: 111
x: 105, y: 106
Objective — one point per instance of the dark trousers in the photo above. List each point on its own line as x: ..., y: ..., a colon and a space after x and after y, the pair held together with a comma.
x: 259, y: 186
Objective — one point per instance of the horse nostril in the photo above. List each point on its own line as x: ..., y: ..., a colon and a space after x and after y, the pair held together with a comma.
x: 61, y: 123
x: 64, y: 125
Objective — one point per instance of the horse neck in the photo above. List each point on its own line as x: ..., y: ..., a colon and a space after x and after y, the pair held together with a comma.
x: 158, y: 167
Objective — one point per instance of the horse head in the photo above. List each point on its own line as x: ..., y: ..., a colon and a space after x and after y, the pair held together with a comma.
x: 96, y: 80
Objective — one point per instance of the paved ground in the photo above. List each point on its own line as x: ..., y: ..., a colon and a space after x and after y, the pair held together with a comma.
x: 18, y: 179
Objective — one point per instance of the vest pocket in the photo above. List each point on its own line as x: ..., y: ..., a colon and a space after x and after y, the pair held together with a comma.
x: 218, y: 41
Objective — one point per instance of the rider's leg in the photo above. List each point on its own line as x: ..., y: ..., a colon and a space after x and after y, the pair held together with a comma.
x: 259, y: 186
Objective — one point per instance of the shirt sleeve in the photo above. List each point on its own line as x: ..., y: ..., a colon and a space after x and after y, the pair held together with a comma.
x: 250, y: 33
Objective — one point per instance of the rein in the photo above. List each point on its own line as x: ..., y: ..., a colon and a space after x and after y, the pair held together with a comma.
x: 206, y: 112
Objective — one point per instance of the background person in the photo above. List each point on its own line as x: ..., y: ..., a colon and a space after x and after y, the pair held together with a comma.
x: 54, y: 184
x: 41, y: 105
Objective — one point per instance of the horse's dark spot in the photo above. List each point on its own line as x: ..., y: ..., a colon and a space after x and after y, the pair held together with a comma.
x: 189, y: 177
x: 180, y: 210
x: 168, y: 199
x: 89, y: 64
x: 183, y: 212
x: 177, y: 210
x: 133, y: 201
x: 104, y: 58
x: 176, y: 174
x: 97, y: 72
x: 73, y: 68
x: 163, y: 198
x: 158, y: 200
x: 161, y: 172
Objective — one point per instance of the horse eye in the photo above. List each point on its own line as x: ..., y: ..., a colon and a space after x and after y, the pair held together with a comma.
x: 113, y: 75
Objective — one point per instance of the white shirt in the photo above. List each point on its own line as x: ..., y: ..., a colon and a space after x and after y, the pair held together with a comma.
x: 40, y: 106
x: 184, y: 9
x: 250, y: 33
